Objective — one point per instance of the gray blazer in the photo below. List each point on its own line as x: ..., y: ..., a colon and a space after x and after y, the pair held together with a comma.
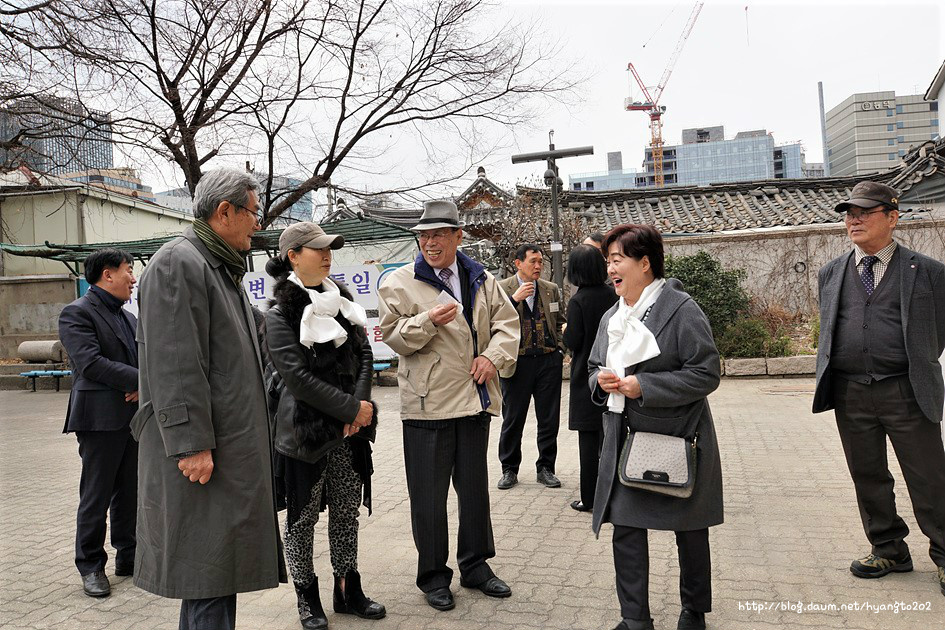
x: 922, y: 287
x: 675, y: 385
x: 201, y: 387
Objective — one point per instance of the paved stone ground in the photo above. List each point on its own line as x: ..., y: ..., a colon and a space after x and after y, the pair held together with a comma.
x: 791, y: 531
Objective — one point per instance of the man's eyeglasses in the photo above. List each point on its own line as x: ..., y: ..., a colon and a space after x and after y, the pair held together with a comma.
x: 255, y: 213
x: 435, y: 234
x: 850, y: 215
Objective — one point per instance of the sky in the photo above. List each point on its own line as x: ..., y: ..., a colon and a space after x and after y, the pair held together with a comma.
x: 754, y: 69
x: 745, y: 69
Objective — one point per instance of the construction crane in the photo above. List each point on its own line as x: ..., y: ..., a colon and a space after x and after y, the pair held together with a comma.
x: 651, y: 105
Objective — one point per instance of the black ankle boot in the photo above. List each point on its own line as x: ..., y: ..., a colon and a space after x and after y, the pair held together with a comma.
x: 311, y: 613
x: 353, y: 601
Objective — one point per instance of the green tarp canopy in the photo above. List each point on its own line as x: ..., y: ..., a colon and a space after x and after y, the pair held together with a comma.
x: 355, y: 231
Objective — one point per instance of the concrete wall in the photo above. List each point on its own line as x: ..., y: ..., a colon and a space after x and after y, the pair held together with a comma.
x: 76, y: 216
x: 30, y: 307
x: 782, y: 265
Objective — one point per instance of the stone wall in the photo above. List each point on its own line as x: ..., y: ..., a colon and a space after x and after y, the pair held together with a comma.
x: 782, y: 264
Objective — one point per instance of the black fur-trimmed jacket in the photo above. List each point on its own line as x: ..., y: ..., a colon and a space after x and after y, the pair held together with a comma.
x: 322, y: 385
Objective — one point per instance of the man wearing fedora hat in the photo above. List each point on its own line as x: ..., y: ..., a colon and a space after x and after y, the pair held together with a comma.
x: 454, y: 330
x: 882, y: 314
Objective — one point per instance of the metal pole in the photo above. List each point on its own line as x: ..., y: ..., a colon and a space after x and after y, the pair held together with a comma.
x: 556, y: 247
x: 823, y: 128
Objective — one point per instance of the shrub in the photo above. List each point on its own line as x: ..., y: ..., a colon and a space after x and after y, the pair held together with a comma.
x: 749, y: 338
x: 718, y: 292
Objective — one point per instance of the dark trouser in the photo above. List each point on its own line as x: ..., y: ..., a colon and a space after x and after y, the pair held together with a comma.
x: 632, y: 562
x: 589, y: 443
x: 431, y: 457
x: 538, y: 377
x: 866, y: 415
x: 108, y: 486
x: 215, y: 613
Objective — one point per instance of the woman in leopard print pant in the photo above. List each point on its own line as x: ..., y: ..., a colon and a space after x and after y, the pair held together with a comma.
x: 325, y: 421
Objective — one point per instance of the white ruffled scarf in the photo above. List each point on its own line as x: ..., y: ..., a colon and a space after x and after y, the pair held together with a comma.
x: 629, y: 341
x: 318, y: 319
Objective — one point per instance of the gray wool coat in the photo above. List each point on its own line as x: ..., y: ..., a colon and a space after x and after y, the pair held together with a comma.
x: 675, y: 385
x: 201, y: 387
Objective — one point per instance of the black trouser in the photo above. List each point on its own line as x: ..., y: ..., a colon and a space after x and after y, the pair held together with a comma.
x: 431, y: 457
x: 589, y: 443
x: 108, y: 486
x: 866, y: 415
x: 539, y: 377
x: 632, y: 563
x: 214, y: 613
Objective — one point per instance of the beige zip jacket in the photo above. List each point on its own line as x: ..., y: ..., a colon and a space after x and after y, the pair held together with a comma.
x: 435, y: 361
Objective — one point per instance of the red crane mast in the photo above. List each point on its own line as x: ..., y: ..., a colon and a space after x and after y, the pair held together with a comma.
x: 651, y: 105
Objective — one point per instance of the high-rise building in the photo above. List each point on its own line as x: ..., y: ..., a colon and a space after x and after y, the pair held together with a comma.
x: 614, y: 178
x: 55, y: 135
x: 868, y: 132
x: 121, y: 180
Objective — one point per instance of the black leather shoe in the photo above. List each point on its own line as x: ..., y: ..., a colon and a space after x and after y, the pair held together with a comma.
x: 95, y: 584
x: 124, y: 569
x: 691, y: 620
x: 548, y: 479
x: 509, y: 479
x: 353, y: 601
x: 872, y: 566
x: 311, y: 614
x: 493, y: 587
x: 635, y: 624
x: 580, y: 507
x: 441, y: 598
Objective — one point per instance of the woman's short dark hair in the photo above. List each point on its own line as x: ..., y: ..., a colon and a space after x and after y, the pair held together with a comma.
x: 100, y: 259
x: 586, y: 266
x: 638, y: 241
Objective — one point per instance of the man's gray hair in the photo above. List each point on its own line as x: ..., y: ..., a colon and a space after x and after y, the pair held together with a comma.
x: 223, y: 184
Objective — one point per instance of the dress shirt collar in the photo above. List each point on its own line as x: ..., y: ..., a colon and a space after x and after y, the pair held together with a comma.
x: 884, y: 255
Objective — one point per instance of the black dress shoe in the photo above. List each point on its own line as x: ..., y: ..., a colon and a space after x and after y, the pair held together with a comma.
x: 441, y: 598
x: 124, y: 569
x: 691, y: 620
x: 547, y: 478
x: 509, y: 479
x: 493, y: 587
x: 635, y: 624
x: 580, y: 507
x: 95, y: 584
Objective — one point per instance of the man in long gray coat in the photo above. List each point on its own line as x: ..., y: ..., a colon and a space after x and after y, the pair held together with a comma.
x: 207, y: 525
x: 882, y: 330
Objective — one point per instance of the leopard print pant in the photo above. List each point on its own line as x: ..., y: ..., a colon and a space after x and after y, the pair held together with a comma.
x: 343, y: 486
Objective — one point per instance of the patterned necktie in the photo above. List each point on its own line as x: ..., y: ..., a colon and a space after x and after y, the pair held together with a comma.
x: 869, y: 280
x: 445, y: 275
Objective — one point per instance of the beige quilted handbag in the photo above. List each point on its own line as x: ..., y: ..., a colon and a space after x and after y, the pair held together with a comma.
x: 658, y: 463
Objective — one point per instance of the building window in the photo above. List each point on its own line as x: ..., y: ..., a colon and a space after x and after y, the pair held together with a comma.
x: 933, y: 106
x: 901, y: 138
x: 900, y: 124
x: 933, y: 122
x: 892, y: 156
x: 898, y: 109
x: 902, y: 152
x: 589, y: 186
x: 577, y: 185
x: 889, y: 113
x: 890, y: 142
x: 889, y: 127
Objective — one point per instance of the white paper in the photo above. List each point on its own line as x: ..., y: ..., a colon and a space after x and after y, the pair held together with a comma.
x: 446, y: 298
x: 553, y: 307
x: 608, y: 370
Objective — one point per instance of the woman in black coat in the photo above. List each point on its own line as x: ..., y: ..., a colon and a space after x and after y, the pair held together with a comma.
x: 588, y: 271
x: 325, y: 419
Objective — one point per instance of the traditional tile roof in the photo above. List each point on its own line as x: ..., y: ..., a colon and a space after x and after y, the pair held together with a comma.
x: 737, y: 206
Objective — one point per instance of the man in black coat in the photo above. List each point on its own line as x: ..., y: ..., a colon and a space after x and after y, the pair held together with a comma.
x: 882, y: 330
x: 99, y: 336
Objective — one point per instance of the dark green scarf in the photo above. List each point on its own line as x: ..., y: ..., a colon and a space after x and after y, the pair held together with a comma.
x: 234, y: 261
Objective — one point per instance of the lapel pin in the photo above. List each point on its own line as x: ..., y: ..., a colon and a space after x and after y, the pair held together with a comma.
x: 913, y: 266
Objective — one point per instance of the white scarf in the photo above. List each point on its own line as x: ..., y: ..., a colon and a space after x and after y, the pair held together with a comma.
x: 318, y: 319
x: 629, y: 341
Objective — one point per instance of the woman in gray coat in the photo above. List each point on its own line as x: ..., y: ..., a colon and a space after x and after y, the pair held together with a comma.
x: 661, y: 341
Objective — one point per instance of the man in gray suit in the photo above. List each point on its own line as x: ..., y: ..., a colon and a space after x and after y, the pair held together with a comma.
x: 882, y: 318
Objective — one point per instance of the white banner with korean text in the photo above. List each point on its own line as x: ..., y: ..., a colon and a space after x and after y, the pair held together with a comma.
x: 362, y: 281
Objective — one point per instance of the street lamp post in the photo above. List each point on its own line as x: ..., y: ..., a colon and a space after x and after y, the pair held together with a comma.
x: 551, y: 179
